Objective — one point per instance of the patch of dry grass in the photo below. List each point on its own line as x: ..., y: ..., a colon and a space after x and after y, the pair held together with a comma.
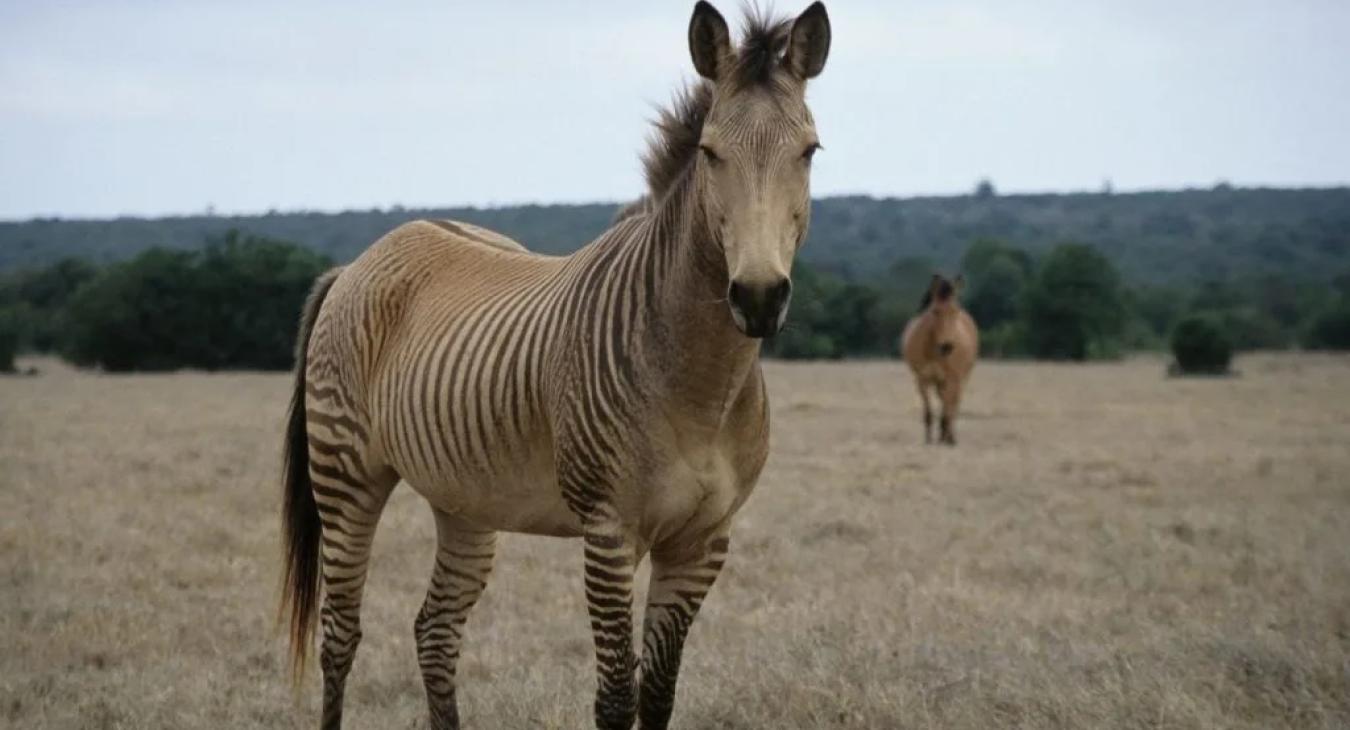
x: 1106, y: 548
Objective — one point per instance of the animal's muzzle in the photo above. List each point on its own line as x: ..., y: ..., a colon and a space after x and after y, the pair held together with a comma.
x: 759, y: 310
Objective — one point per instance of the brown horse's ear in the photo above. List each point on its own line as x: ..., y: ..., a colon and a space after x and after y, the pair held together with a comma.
x: 934, y: 283
x: 709, y: 41
x: 808, y: 42
x: 959, y: 282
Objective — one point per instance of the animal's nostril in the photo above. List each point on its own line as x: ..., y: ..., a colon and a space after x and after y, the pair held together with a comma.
x: 779, y: 293
x: 736, y: 293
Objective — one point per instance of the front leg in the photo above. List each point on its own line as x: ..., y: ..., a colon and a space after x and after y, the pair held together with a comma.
x: 680, y: 580
x: 927, y: 413
x: 610, y: 558
x: 950, y: 393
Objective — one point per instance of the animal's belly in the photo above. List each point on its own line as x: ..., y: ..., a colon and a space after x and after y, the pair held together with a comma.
x: 519, y: 494
x: 532, y: 509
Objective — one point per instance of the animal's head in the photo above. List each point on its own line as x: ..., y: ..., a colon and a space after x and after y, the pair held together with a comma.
x: 942, y: 303
x: 755, y: 150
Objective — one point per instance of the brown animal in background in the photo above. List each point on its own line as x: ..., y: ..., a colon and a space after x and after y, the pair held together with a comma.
x: 940, y: 344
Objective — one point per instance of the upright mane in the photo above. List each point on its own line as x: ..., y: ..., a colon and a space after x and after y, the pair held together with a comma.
x: 678, y: 127
x: 674, y: 142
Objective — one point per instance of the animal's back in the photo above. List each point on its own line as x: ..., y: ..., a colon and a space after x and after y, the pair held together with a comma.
x: 404, y: 337
x: 419, y: 268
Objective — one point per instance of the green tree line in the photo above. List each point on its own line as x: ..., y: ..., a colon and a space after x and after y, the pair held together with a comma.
x: 234, y: 303
x: 1071, y: 303
x: 1165, y: 238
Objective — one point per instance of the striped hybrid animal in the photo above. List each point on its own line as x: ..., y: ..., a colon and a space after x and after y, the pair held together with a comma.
x: 613, y: 395
x: 940, y: 344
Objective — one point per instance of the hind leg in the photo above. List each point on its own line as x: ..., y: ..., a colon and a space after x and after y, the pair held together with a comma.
x: 463, y: 562
x: 349, y: 508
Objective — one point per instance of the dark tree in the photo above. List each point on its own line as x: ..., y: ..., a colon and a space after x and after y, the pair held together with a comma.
x: 995, y: 293
x: 1073, y: 309
x: 1330, y: 330
x: 10, y: 332
x: 233, y: 305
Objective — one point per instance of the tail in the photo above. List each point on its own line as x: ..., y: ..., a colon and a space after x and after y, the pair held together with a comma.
x: 300, y: 516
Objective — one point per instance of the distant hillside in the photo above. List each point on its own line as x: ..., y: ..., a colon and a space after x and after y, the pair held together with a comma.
x: 1156, y: 237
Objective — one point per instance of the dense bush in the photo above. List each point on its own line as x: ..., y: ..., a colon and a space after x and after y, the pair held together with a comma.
x: 1073, y: 309
x: 1248, y: 328
x: 232, y: 305
x: 1008, y: 340
x: 802, y: 344
x: 44, y: 294
x: 832, y: 318
x: 1330, y: 330
x: 10, y: 332
x: 1201, y: 346
x: 995, y: 292
x: 1157, y: 307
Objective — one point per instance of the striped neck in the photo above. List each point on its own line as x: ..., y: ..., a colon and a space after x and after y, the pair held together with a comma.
x: 701, y: 355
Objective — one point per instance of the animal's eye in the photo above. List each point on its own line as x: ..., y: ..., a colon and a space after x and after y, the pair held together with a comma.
x: 709, y: 155
x: 810, y: 151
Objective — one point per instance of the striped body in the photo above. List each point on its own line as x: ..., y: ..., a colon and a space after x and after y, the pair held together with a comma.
x: 524, y: 393
x: 509, y: 388
x: 613, y: 395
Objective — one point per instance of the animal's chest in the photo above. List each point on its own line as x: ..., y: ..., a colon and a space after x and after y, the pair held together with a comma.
x: 697, y: 487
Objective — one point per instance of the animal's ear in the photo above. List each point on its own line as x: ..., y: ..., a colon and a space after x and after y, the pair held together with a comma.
x: 934, y: 283
x: 809, y: 42
x: 959, y: 282
x: 709, y: 41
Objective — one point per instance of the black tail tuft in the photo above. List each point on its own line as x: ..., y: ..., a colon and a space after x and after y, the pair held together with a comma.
x: 300, y: 516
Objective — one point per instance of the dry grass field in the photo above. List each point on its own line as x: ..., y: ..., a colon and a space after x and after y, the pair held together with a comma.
x: 1106, y: 548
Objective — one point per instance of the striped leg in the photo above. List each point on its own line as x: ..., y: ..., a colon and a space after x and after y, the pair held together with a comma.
x: 609, y: 561
x: 463, y: 563
x: 349, y: 511
x: 677, y: 588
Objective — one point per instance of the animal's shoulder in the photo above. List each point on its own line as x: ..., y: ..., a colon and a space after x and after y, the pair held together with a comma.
x: 911, y: 328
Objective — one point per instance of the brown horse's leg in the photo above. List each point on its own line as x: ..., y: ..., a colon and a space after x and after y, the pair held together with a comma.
x: 950, y: 392
x: 927, y: 412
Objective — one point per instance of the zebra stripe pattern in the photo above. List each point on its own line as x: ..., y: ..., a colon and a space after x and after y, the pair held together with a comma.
x: 611, y: 395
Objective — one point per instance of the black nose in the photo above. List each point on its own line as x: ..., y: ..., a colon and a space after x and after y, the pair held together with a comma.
x: 760, y: 307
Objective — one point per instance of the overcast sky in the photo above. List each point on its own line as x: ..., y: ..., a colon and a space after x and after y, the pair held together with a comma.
x: 114, y: 107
